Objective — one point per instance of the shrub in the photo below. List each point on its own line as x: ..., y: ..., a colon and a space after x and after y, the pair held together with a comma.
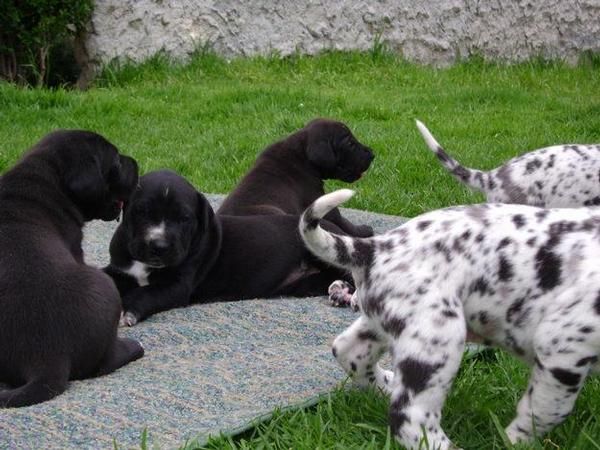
x: 32, y: 30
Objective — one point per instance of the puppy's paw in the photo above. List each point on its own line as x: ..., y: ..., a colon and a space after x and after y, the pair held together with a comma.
x: 354, y: 302
x: 128, y: 319
x: 340, y: 293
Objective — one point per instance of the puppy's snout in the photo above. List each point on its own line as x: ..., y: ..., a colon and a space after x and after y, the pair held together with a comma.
x: 158, y: 247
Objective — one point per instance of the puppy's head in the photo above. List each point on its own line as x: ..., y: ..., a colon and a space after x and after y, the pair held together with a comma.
x: 94, y: 175
x: 334, y: 151
x: 163, y: 217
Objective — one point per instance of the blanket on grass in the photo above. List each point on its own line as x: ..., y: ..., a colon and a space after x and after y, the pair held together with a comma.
x: 208, y: 368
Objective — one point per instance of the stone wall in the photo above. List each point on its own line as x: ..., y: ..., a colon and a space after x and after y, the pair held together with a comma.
x: 434, y: 32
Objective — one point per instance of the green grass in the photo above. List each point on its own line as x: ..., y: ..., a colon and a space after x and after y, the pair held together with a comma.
x: 209, y: 119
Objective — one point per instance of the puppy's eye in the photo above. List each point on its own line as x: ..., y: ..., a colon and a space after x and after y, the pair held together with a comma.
x: 185, y: 217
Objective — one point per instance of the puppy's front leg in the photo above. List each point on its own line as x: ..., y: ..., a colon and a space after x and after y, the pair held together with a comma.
x: 145, y: 301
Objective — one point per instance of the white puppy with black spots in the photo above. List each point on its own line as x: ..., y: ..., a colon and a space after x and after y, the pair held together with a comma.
x: 523, y: 278
x: 561, y: 176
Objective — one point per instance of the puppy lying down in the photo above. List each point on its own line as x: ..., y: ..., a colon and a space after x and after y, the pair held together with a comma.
x: 170, y: 250
x: 523, y: 278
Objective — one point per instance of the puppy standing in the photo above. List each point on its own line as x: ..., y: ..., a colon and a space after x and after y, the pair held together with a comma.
x: 59, y: 317
x: 288, y: 175
x: 526, y: 279
x: 562, y: 176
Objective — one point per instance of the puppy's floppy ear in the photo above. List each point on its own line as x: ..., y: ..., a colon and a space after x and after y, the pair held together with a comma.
x: 84, y: 180
x: 204, y: 212
x: 321, y: 154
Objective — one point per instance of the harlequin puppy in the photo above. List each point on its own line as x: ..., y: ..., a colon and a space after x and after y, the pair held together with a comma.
x: 562, y: 176
x: 288, y: 175
x: 59, y: 317
x: 171, y: 250
x: 526, y: 279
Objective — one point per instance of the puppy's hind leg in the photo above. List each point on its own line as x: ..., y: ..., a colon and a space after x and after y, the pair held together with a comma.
x: 557, y: 376
x: 122, y: 352
x: 426, y: 355
x: 50, y: 382
x: 357, y: 350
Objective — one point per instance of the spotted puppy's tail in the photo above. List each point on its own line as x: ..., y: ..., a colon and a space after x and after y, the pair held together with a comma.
x: 475, y: 179
x: 340, y: 251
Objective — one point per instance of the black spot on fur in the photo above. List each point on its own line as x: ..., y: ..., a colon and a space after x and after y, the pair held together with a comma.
x: 353, y: 366
x: 597, y: 304
x: 541, y: 215
x: 341, y: 251
x: 548, y: 266
x: 551, y: 162
x: 368, y: 336
x: 531, y: 241
x: 514, y: 309
x: 480, y: 285
x: 586, y: 329
x: 592, y: 202
x: 533, y: 165
x: 462, y: 173
x: 586, y: 361
x: 334, y: 351
x: 312, y: 222
x: 385, y: 246
x: 505, y: 271
x: 519, y: 220
x: 416, y: 374
x: 503, y: 243
x: 397, y: 417
x: 449, y: 313
x: 394, y: 325
x: 442, y: 248
x: 565, y: 376
x: 363, y: 253
x: 423, y: 224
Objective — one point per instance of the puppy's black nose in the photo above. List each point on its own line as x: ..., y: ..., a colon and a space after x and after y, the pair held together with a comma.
x: 158, y: 247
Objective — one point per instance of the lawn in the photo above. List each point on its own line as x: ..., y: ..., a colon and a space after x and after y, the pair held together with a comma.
x: 210, y: 118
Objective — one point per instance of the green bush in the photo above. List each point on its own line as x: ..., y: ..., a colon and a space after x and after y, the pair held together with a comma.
x: 32, y: 30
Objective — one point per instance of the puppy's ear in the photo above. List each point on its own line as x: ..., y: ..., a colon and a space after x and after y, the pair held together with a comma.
x: 84, y: 181
x: 204, y: 212
x: 321, y: 154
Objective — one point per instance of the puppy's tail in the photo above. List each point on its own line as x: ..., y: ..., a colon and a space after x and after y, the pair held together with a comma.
x: 475, y: 179
x: 342, y: 251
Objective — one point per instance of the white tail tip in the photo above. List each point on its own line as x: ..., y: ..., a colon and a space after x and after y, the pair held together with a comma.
x: 429, y: 139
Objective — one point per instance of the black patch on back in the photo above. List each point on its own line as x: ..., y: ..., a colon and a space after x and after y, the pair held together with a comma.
x: 519, y: 220
x: 505, y: 271
x: 514, y: 309
x: 423, y: 224
x: 533, y: 165
x: 503, y: 243
x: 416, y: 374
x: 565, y: 376
x: 549, y: 267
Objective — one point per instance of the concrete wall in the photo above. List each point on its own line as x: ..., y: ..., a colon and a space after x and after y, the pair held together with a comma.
x: 433, y: 32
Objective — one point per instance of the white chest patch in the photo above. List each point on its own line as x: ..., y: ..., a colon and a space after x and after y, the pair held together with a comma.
x: 139, y: 271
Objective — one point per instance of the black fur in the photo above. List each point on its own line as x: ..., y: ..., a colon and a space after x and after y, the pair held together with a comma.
x: 59, y: 317
x: 288, y: 175
x: 207, y: 257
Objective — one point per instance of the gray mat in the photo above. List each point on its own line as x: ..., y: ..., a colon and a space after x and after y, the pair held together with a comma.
x: 208, y: 368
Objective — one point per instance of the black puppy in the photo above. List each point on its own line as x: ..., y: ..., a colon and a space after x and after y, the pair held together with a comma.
x: 288, y: 175
x: 171, y: 250
x: 59, y: 317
